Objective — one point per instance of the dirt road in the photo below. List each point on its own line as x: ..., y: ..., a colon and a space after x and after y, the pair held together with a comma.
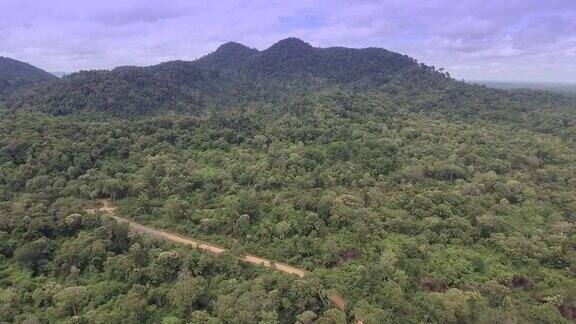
x: 106, y: 207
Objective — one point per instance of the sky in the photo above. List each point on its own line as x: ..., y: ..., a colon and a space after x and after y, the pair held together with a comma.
x: 504, y: 40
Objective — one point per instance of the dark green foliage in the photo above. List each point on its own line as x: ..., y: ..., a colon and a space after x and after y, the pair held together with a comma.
x: 34, y: 255
x: 231, y: 76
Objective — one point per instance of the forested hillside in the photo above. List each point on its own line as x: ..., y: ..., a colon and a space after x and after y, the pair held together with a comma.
x: 15, y: 75
x: 417, y: 197
x: 232, y: 75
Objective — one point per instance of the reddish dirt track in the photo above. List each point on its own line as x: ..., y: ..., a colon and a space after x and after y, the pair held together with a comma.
x: 106, y: 207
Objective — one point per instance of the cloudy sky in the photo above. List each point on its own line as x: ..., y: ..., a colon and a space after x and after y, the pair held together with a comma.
x: 515, y: 40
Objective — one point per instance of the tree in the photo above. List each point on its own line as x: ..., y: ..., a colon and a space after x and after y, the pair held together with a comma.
x: 307, y: 317
x: 175, y: 208
x: 114, y: 188
x: 166, y: 266
x: 34, y: 255
x: 333, y: 316
x: 70, y: 300
x: 185, y: 293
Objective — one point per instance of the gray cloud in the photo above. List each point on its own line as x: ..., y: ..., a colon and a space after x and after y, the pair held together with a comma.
x: 473, y: 39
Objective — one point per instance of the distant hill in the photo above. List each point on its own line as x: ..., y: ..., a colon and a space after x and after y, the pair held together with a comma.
x: 287, y: 72
x: 293, y: 60
x: 233, y: 74
x: 15, y: 74
x: 228, y: 56
x: 564, y: 88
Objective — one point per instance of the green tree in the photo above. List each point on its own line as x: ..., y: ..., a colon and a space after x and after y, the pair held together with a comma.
x: 34, y: 255
x: 185, y: 294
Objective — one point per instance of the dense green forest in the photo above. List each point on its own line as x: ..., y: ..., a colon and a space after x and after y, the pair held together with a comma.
x: 233, y: 75
x: 417, y: 197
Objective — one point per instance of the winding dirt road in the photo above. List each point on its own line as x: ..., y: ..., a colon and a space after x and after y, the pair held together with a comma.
x: 106, y: 207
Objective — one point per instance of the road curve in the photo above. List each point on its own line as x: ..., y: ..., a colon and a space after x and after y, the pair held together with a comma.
x: 208, y: 247
x: 335, y: 298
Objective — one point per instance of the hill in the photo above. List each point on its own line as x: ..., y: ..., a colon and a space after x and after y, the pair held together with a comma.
x: 234, y: 74
x: 290, y: 70
x: 15, y: 74
x: 564, y: 88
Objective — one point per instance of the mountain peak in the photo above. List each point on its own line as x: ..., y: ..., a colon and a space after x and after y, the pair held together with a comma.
x: 228, y: 55
x: 233, y: 48
x: 292, y: 43
x: 228, y: 46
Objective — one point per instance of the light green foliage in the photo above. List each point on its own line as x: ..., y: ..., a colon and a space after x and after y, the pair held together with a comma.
x: 185, y: 294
